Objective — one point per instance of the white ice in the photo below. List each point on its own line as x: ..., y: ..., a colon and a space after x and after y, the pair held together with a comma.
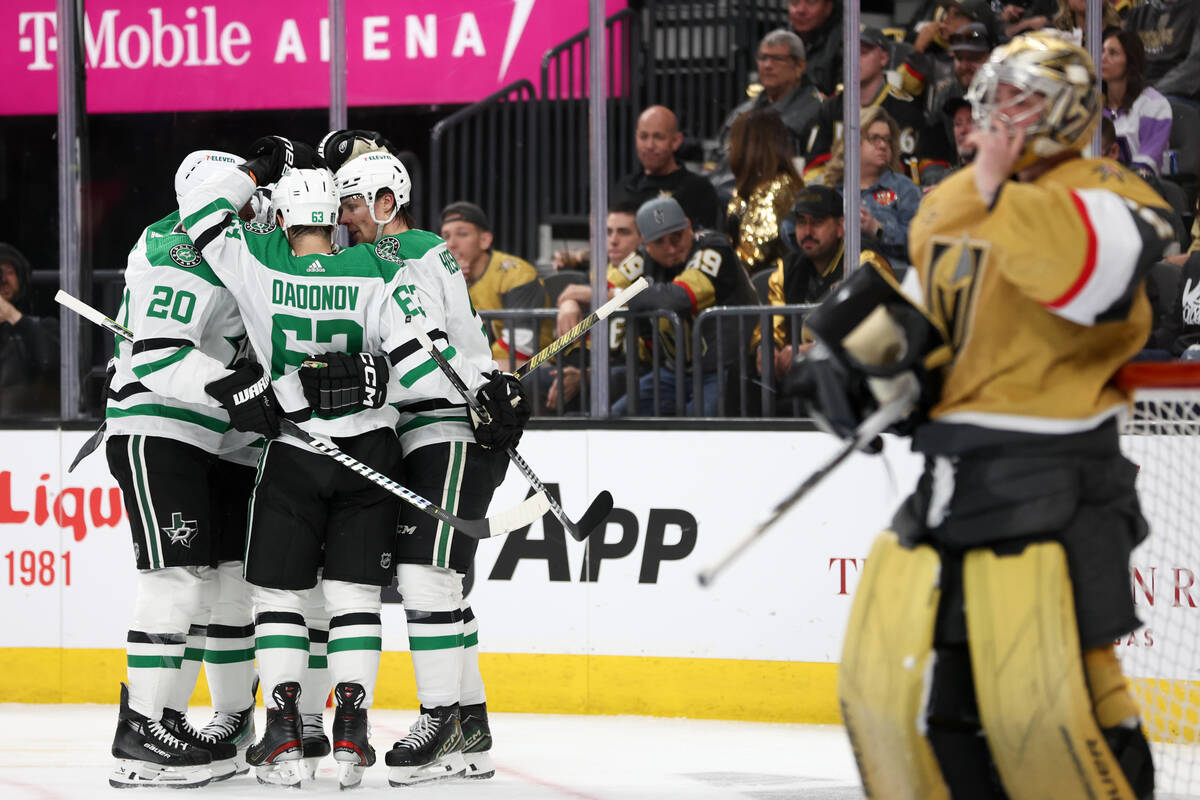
x: 52, y: 752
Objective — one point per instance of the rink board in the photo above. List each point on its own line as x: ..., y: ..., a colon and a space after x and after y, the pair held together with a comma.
x: 627, y: 630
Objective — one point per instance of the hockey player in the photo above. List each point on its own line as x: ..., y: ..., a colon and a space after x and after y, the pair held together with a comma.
x: 308, y: 513
x: 978, y: 660
x: 185, y: 476
x: 444, y: 460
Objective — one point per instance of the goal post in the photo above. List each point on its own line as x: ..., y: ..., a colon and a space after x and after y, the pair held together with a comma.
x: 1161, y: 436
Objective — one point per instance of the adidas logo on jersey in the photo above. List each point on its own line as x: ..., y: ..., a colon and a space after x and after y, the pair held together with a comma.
x: 315, y: 267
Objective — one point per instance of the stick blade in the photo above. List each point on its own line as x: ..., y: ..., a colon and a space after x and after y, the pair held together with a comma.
x: 597, y: 512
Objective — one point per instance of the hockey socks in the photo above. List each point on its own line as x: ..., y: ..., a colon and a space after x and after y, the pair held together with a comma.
x: 229, y: 648
x: 436, y: 641
x: 152, y: 663
x: 281, y: 643
x: 471, y: 684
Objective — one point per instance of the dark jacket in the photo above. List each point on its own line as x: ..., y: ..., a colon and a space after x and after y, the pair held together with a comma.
x: 695, y: 194
x: 28, y: 352
x: 1170, y: 32
x: 823, y: 53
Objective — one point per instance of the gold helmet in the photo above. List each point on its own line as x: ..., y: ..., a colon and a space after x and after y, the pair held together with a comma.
x: 1040, y: 64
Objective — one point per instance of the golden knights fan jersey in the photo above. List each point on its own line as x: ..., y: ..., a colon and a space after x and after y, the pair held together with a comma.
x: 1041, y: 295
x: 512, y: 283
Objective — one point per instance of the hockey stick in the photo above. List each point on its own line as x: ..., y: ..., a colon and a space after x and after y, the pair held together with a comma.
x: 870, y: 427
x: 526, y: 513
x: 561, y: 343
x: 596, y: 512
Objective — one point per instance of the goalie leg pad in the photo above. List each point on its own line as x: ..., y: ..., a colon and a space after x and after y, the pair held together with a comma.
x: 886, y: 662
x: 1029, y: 678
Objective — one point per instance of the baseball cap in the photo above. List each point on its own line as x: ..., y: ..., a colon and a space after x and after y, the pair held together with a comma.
x: 873, y: 37
x: 973, y: 37
x: 659, y: 216
x: 817, y: 201
x: 466, y: 212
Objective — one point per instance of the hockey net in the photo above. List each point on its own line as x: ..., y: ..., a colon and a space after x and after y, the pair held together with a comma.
x: 1162, y: 660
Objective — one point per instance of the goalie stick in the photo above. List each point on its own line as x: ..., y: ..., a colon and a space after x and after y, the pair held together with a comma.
x: 561, y: 343
x: 596, y: 512
x: 525, y: 513
x: 870, y: 427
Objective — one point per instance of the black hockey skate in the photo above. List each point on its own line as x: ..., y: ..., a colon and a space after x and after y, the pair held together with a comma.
x: 432, y: 749
x: 351, y: 749
x: 477, y: 741
x: 149, y: 755
x: 235, y: 728
x: 316, y: 743
x: 224, y: 754
x: 276, y: 757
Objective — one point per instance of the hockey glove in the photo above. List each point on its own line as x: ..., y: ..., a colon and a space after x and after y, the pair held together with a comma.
x: 837, y: 398
x: 248, y: 397
x: 269, y: 157
x: 503, y: 398
x: 338, y: 382
x: 338, y: 147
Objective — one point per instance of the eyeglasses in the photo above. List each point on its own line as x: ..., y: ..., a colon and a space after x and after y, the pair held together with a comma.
x: 774, y: 58
x: 878, y: 139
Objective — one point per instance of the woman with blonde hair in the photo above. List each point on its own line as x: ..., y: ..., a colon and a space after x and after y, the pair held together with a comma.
x: 889, y: 198
x: 1072, y: 18
x: 766, y: 182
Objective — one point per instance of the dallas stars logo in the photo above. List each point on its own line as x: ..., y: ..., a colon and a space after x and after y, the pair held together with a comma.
x: 186, y: 255
x: 182, y: 531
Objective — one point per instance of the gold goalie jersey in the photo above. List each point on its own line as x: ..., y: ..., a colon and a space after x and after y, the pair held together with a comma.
x: 1041, y: 295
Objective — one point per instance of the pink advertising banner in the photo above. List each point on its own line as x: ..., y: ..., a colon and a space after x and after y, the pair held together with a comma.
x: 233, y: 55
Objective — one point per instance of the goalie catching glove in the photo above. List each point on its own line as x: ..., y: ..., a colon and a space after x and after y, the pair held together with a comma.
x: 247, y: 395
x: 338, y: 147
x: 503, y: 398
x: 335, y: 383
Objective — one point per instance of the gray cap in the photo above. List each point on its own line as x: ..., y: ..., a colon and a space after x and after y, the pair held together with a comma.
x: 659, y: 216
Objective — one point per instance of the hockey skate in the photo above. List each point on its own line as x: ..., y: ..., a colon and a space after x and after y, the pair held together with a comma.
x: 149, y: 755
x: 235, y: 728
x: 351, y: 749
x: 224, y: 754
x: 276, y: 757
x: 477, y: 741
x: 432, y: 749
x: 316, y: 743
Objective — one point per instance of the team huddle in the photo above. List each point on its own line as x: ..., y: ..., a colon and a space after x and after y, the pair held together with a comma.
x: 248, y: 320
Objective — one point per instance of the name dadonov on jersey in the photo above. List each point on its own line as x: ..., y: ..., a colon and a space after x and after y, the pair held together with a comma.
x: 314, y: 297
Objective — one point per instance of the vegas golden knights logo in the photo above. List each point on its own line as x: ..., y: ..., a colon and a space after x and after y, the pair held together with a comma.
x: 954, y: 280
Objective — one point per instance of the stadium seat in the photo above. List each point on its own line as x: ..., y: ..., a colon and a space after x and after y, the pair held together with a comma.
x: 556, y: 281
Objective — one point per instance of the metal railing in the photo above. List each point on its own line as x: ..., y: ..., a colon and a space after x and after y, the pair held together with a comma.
x: 488, y: 154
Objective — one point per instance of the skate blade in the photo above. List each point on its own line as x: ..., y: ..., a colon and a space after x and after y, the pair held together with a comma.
x: 224, y: 770
x: 283, y: 773
x: 131, y: 774
x: 309, y: 767
x: 350, y: 775
x: 240, y: 766
x: 452, y: 766
x: 479, y: 765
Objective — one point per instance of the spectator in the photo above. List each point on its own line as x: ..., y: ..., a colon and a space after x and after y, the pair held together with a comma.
x: 959, y: 112
x: 760, y: 154
x: 781, y: 71
x: 689, y: 271
x: 1071, y: 18
x: 622, y: 240
x: 1111, y: 147
x: 934, y: 37
x: 814, y: 230
x: 1140, y: 115
x: 657, y: 140
x: 496, y: 281
x: 874, y: 90
x: 970, y: 47
x: 28, y: 344
x: 1170, y: 32
x: 1018, y: 16
x: 818, y: 23
x: 889, y: 200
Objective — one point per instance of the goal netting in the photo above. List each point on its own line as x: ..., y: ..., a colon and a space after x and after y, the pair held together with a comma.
x: 1162, y: 659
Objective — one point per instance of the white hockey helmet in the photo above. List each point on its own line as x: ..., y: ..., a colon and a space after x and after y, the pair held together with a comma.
x: 370, y: 174
x: 197, y: 166
x: 306, y: 197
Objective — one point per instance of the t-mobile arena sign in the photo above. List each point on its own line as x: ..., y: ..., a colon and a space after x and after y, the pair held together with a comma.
x: 233, y: 55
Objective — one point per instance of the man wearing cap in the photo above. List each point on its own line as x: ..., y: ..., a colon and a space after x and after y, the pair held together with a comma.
x: 495, y: 281
x: 28, y: 344
x: 689, y: 271
x: 874, y: 90
x: 814, y: 232
x: 970, y: 47
x: 932, y: 61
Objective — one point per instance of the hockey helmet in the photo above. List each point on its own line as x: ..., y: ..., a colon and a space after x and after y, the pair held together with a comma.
x: 197, y: 166
x: 370, y: 174
x: 1041, y: 64
x: 306, y: 197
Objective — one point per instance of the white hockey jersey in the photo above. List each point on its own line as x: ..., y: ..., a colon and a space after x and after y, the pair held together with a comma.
x: 187, y: 332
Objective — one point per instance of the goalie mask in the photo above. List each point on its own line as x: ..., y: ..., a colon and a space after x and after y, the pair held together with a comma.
x: 306, y: 197
x: 1040, y: 64
x: 370, y: 174
x: 199, y: 165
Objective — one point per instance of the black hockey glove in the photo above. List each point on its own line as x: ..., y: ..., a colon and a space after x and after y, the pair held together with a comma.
x: 338, y: 382
x: 338, y: 147
x: 248, y: 397
x: 503, y: 398
x: 269, y: 157
x: 836, y: 397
